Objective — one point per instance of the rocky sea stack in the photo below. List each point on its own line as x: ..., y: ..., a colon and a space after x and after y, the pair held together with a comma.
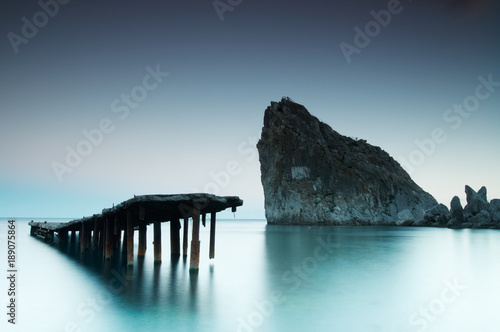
x: 313, y: 175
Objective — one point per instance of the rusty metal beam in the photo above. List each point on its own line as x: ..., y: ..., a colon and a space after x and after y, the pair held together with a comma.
x: 212, y: 235
x: 195, y: 241
x: 95, y: 239
x: 103, y: 237
x: 83, y: 240
x: 124, y: 242
x: 185, y: 237
x: 157, y: 242
x: 142, y: 231
x: 142, y: 239
x: 130, y: 238
x: 117, y: 233
x: 175, y: 242
x: 62, y: 238
x: 109, y: 238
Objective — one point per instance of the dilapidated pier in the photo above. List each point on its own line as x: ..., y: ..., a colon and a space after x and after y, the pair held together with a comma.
x: 104, y: 231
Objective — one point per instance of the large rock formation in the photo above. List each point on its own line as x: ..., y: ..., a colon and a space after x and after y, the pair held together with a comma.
x: 311, y: 174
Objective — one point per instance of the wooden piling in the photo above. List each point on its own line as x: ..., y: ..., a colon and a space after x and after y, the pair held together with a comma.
x: 88, y: 237
x: 95, y: 239
x: 109, y: 238
x: 212, y: 235
x: 103, y: 237
x: 157, y: 242
x: 117, y: 233
x: 185, y: 237
x: 124, y: 242
x: 62, y: 238
x: 142, y: 231
x: 142, y: 239
x: 80, y: 238
x: 50, y: 238
x: 130, y: 238
x: 84, y: 238
x: 195, y: 242
x: 175, y: 242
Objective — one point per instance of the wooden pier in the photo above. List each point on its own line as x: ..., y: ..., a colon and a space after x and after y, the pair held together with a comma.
x: 104, y: 231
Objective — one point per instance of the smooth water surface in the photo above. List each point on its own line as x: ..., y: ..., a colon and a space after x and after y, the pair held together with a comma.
x: 267, y: 278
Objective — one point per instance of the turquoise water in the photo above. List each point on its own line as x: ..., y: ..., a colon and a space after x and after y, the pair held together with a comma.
x: 268, y: 278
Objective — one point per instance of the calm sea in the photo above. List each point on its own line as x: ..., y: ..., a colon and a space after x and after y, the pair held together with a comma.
x: 266, y: 278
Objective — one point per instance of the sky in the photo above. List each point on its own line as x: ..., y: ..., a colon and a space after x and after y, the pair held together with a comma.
x: 103, y: 100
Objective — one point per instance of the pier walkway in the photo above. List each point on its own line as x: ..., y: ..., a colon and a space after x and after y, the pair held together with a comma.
x: 104, y: 231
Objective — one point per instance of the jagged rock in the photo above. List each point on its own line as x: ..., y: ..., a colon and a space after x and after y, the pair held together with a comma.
x: 456, y: 210
x: 475, y: 202
x: 495, y: 211
x: 481, y: 219
x: 437, y: 210
x: 312, y: 174
x: 405, y: 218
x: 482, y: 193
x: 454, y: 223
x: 456, y: 213
x: 437, y: 215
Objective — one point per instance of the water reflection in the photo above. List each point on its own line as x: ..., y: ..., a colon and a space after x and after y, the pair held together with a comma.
x: 146, y: 284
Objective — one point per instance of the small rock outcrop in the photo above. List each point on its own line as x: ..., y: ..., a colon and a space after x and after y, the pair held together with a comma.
x: 476, y: 202
x: 311, y: 174
x: 456, y: 213
x: 437, y: 216
x: 478, y: 213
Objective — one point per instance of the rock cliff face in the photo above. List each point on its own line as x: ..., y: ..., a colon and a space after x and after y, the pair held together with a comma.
x: 311, y: 174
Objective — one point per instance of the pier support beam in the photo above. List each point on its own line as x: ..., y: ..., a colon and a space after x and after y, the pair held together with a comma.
x: 62, y: 238
x: 95, y: 239
x: 50, y: 238
x: 130, y: 239
x: 142, y: 238
x: 175, y: 242
x: 142, y: 231
x: 212, y: 235
x: 84, y: 238
x: 109, y: 238
x: 194, y: 264
x: 185, y: 237
x: 157, y: 242
x: 103, y: 237
x: 124, y: 242
x: 117, y: 233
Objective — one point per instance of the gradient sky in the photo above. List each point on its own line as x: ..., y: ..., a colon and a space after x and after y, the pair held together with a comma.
x: 206, y: 115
